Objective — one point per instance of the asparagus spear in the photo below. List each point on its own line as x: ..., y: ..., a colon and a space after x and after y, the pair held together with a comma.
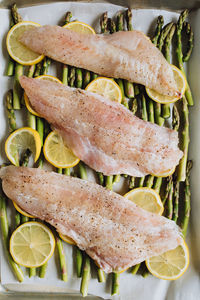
x: 79, y: 78
x: 168, y: 41
x: 129, y: 88
x: 190, y: 44
x: 86, y: 78
x: 5, y: 238
x: 86, y: 266
x: 179, y: 53
x: 61, y: 254
x: 160, y: 22
x: 68, y: 17
x: 17, y: 90
x: 115, y: 284
x: 38, y: 69
x: 72, y: 76
x: 185, y: 139
x: 170, y: 201
x: 11, y: 63
x: 176, y: 201
x: 104, y: 22
x: 10, y: 111
x: 185, y: 221
x: 62, y: 260
x: 86, y: 276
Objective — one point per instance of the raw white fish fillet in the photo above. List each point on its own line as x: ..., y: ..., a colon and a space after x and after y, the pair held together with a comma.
x: 102, y: 133
x: 111, y: 229
x: 127, y: 55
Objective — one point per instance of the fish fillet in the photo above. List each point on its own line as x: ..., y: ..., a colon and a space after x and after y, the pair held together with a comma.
x: 127, y: 55
x: 102, y: 133
x: 111, y: 229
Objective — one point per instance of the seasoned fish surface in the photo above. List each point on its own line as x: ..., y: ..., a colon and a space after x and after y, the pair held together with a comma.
x: 127, y: 55
x: 111, y: 229
x: 102, y: 133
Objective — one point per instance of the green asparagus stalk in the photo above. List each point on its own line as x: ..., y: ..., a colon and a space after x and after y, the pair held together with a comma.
x: 160, y: 22
x: 167, y: 45
x: 16, y: 16
x: 10, y: 111
x: 164, y: 32
x: 38, y: 69
x: 86, y: 78
x: 179, y: 53
x: 101, y: 275
x: 135, y: 269
x: 31, y: 71
x: 170, y: 201
x: 45, y: 66
x: 167, y: 190
x: 185, y: 139
x: 79, y: 78
x: 104, y: 22
x: 115, y: 284
x: 129, y: 88
x: 111, y: 26
x: 5, y: 238
x: 176, y: 201
x: 101, y: 178
x: 184, y: 224
x: 72, y: 76
x: 86, y: 266
x: 62, y: 259
x: 86, y: 276
x: 79, y: 262
x: 40, y: 129
x: 17, y: 90
x: 190, y: 43
x: 65, y: 74
x: 43, y: 270
x: 11, y: 63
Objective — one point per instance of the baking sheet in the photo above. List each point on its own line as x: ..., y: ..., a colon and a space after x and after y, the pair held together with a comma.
x: 131, y: 287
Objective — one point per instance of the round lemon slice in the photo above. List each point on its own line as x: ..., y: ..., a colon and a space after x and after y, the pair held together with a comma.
x: 26, y: 100
x: 17, y: 50
x: 80, y: 27
x: 147, y: 199
x: 19, y: 141
x: 166, y: 174
x: 170, y: 265
x: 67, y: 239
x: 106, y: 87
x: 181, y: 85
x: 32, y: 244
x: 21, y: 211
x: 57, y: 153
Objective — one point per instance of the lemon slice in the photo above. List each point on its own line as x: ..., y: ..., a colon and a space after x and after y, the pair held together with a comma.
x: 32, y: 244
x: 170, y: 265
x: 26, y: 100
x: 19, y: 141
x: 67, y: 239
x: 106, y: 87
x: 21, y: 211
x: 17, y: 50
x: 147, y: 199
x: 166, y: 174
x: 80, y: 27
x: 57, y: 153
x: 164, y: 99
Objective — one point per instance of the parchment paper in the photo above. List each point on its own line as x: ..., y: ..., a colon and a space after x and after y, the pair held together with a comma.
x: 131, y: 287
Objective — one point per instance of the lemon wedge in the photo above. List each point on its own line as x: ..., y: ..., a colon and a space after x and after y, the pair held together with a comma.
x: 26, y: 100
x: 147, y: 199
x: 17, y: 50
x: 170, y: 265
x: 106, y: 87
x: 67, y: 239
x: 57, y: 153
x: 181, y: 85
x: 80, y: 27
x: 19, y: 141
x: 32, y: 244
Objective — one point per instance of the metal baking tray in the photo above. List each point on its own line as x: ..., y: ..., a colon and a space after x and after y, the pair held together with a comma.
x: 172, y: 6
